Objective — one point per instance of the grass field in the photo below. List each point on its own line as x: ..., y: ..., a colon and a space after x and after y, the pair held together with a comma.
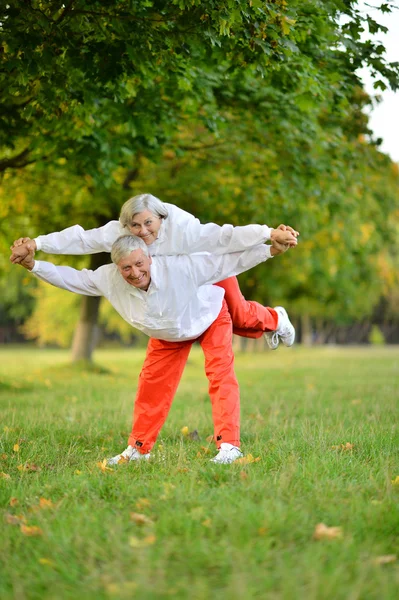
x: 322, y: 421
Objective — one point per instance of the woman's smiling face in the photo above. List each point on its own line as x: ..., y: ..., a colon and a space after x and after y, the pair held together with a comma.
x: 146, y: 226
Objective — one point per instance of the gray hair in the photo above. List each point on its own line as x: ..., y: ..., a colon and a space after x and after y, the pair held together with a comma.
x: 138, y: 204
x: 126, y: 244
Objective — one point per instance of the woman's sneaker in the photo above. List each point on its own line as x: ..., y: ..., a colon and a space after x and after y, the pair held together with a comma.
x: 227, y: 454
x: 285, y: 330
x: 127, y: 455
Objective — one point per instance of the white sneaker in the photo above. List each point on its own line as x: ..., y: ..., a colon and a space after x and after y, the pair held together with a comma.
x: 127, y: 455
x: 285, y: 330
x: 227, y: 454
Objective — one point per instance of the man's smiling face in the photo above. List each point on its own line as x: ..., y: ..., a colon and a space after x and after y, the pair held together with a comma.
x: 135, y: 269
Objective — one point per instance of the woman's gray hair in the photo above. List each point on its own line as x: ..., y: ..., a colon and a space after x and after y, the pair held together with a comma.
x: 124, y: 245
x: 140, y: 203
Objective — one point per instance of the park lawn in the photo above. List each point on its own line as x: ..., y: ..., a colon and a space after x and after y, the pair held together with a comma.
x: 323, y: 423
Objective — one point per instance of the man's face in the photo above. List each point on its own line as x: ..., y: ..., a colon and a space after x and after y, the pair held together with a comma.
x: 146, y: 226
x: 135, y: 269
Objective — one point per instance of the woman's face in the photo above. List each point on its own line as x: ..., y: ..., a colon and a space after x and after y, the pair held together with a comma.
x: 146, y: 226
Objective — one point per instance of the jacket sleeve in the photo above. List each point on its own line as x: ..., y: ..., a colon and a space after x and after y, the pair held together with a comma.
x: 76, y: 240
x: 210, y: 268
x: 83, y: 282
x: 186, y: 235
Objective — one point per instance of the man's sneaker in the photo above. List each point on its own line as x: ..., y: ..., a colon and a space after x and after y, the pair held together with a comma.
x: 285, y: 330
x: 227, y: 454
x: 127, y: 455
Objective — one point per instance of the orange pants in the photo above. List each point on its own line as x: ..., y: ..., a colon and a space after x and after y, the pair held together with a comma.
x: 161, y: 374
x: 250, y: 319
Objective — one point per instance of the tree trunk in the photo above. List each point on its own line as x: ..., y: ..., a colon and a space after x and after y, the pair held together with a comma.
x: 87, y: 332
x: 306, y: 330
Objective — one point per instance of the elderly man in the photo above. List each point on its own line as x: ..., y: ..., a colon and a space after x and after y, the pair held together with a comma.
x: 171, y: 300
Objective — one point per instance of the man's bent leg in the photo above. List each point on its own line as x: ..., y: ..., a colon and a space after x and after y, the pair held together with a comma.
x: 158, y: 381
x: 250, y: 319
x: 224, y: 392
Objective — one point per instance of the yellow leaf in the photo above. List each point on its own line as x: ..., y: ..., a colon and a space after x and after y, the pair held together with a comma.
x: 46, y: 562
x: 207, y: 523
x: 44, y: 503
x: 140, y: 519
x: 185, y: 430
x: 77, y: 472
x: 5, y: 476
x: 395, y: 481
x: 385, y: 560
x: 3, y: 456
x: 142, y: 503
x: 31, y: 530
x: 134, y: 542
x: 14, y: 519
x: 323, y: 532
x: 149, y: 540
x: 243, y: 475
x: 13, y: 501
x: 16, y: 448
x: 28, y: 467
x: 248, y: 459
x: 103, y: 466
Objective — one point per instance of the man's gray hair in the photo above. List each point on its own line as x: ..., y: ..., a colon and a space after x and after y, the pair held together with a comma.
x: 140, y: 203
x: 124, y: 245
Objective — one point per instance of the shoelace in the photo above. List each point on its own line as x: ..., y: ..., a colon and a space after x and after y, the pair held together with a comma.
x: 275, y: 339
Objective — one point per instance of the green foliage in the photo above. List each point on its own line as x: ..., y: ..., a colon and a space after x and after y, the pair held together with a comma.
x: 376, y: 337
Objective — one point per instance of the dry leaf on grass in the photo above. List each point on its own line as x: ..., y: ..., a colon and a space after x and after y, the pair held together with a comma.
x: 5, y: 476
x: 28, y: 467
x: 103, y: 466
x: 135, y: 542
x: 14, y: 519
x: 184, y: 430
x: 47, y: 562
x: 323, y: 532
x: 16, y: 447
x: 344, y: 447
x: 248, y: 459
x: 142, y: 503
x: 31, y: 530
x: 13, y: 501
x: 385, y: 559
x: 395, y: 481
x: 140, y: 519
x: 45, y: 503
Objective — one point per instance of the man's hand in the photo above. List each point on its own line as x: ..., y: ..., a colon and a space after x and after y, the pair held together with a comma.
x: 276, y: 248
x: 21, y: 248
x: 284, y: 234
x: 28, y: 262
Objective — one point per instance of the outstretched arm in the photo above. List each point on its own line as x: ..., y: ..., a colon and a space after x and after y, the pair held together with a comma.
x: 80, y: 282
x: 73, y: 240
x: 210, y: 268
x: 186, y: 235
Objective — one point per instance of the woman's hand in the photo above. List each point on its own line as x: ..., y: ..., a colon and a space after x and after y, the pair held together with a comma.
x: 21, y: 248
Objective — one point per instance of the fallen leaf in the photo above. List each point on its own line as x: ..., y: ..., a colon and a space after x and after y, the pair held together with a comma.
x: 44, y: 503
x: 243, y: 475
x: 395, y: 481
x: 16, y: 448
x: 248, y: 459
x: 344, y: 447
x: 47, y: 562
x: 14, y: 519
x: 103, y: 466
x: 77, y: 472
x: 385, y: 559
x: 31, y: 530
x: 28, y: 467
x: 5, y: 476
x: 184, y: 430
x: 13, y: 501
x: 122, y: 460
x: 3, y: 456
x: 149, y: 540
x: 209, y: 439
x: 140, y: 519
x: 323, y: 532
x: 207, y: 523
x: 142, y: 503
x: 205, y: 449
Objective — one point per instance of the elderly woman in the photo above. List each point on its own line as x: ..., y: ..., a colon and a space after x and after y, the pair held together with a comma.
x: 169, y: 230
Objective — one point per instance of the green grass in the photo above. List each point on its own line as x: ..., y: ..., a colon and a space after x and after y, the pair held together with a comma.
x: 225, y: 532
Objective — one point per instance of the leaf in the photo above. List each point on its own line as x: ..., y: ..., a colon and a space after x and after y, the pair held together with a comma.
x: 46, y: 562
x: 323, y: 532
x: 14, y: 519
x: 31, y: 531
x: 248, y: 459
x: 207, y: 523
x: 28, y: 467
x: 103, y: 466
x: 344, y: 447
x: 5, y: 476
x: 44, y: 503
x: 16, y: 448
x: 142, y: 503
x: 13, y: 501
x: 184, y: 430
x: 385, y: 559
x: 140, y: 519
